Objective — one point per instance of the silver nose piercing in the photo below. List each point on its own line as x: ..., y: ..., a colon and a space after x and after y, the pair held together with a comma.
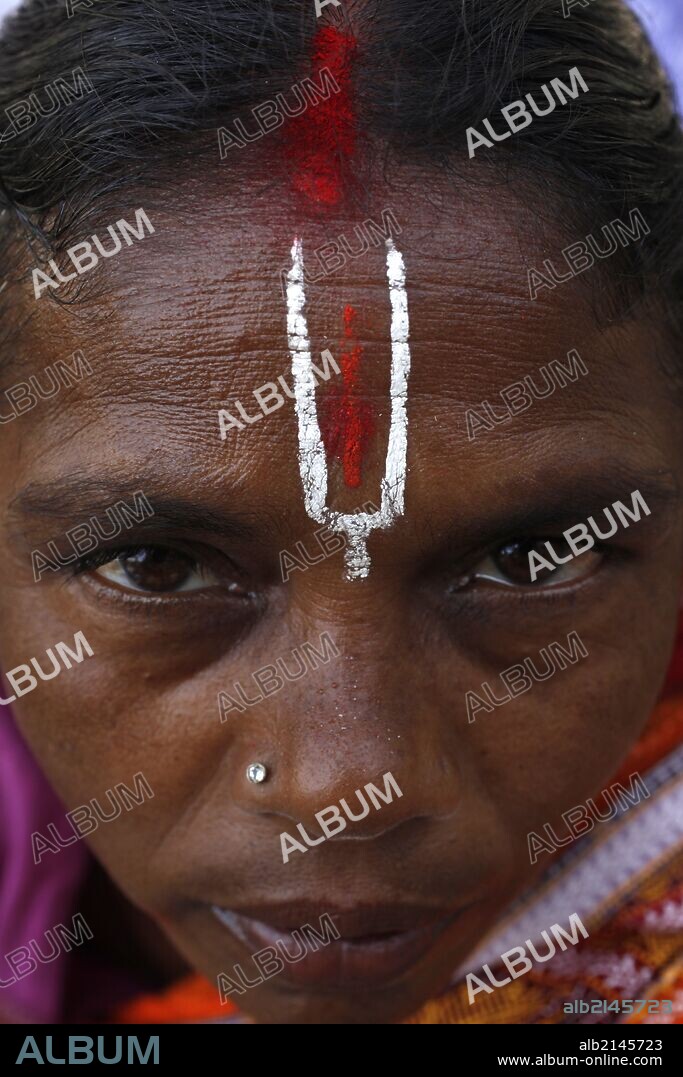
x: 256, y: 773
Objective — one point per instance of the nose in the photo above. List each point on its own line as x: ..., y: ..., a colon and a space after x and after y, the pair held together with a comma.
x: 363, y: 734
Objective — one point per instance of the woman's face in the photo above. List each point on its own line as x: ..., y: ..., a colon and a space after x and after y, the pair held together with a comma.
x: 193, y: 319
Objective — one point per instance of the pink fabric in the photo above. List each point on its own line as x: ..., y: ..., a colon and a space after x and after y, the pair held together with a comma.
x: 33, y: 897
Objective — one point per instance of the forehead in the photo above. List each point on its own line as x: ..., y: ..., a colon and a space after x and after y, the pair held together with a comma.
x: 194, y: 319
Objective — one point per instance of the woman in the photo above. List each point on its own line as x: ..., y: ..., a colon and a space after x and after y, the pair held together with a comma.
x: 374, y: 650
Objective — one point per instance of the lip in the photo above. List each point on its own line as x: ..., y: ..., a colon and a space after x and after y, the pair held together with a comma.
x: 376, y: 945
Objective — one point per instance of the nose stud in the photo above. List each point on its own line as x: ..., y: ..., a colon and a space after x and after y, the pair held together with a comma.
x: 256, y: 773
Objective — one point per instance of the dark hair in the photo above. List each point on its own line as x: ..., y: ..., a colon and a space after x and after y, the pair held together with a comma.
x: 166, y: 74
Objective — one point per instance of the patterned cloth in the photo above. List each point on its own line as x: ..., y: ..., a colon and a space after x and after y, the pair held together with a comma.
x: 625, y: 880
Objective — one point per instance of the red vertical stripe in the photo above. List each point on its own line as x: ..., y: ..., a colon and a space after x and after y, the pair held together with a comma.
x: 348, y: 420
x: 321, y: 142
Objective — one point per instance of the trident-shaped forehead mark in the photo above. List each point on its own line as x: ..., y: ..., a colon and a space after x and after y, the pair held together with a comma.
x: 312, y: 458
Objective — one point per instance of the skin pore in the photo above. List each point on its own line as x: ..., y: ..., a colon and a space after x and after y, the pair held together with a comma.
x: 193, y: 318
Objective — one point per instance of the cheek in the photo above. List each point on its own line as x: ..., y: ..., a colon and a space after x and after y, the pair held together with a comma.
x: 563, y: 740
x: 95, y: 727
x: 108, y: 782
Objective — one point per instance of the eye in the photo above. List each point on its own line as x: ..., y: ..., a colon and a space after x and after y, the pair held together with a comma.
x: 156, y: 570
x: 509, y: 564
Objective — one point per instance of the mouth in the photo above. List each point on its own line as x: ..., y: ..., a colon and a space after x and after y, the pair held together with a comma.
x: 335, y: 948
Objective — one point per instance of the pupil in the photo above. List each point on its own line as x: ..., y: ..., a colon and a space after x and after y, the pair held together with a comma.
x: 513, y: 560
x: 155, y: 569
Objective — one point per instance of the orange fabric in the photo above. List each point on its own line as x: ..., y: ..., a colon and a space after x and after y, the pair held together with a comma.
x: 662, y: 733
x: 191, y: 999
x: 664, y: 729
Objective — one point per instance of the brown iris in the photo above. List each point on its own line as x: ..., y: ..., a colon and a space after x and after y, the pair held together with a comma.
x: 156, y: 568
x: 512, y: 559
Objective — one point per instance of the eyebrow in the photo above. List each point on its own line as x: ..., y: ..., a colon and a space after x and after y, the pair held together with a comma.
x: 571, y: 499
x: 79, y: 496
x: 541, y: 501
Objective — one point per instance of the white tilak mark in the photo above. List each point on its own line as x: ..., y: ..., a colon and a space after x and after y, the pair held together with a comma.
x: 312, y: 460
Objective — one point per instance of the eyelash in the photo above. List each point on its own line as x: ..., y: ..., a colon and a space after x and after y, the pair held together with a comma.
x: 87, y: 562
x: 602, y: 549
x: 95, y: 559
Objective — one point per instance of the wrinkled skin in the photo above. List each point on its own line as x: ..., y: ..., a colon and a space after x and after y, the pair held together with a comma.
x: 192, y: 318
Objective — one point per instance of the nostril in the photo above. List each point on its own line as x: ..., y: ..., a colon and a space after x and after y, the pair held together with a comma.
x: 332, y: 822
